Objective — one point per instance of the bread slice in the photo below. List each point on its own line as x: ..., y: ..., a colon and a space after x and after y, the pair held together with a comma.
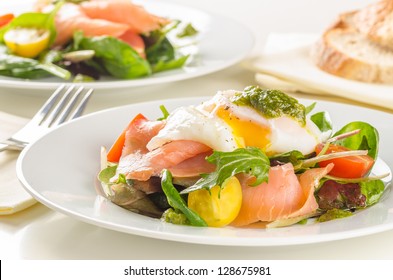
x: 375, y: 21
x: 345, y: 52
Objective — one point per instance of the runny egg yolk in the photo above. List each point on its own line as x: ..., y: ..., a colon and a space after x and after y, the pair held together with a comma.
x: 246, y: 132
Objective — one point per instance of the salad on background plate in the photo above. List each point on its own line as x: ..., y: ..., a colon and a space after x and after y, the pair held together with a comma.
x: 85, y: 40
x: 250, y: 158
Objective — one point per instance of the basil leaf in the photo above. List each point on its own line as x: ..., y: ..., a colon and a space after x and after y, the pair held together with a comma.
x: 271, y: 103
x: 177, y: 202
x: 249, y: 160
x: 366, y: 139
x: 322, y: 121
x: 372, y: 190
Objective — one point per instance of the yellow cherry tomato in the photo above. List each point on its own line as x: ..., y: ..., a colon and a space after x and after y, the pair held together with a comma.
x: 27, y: 42
x: 218, y: 209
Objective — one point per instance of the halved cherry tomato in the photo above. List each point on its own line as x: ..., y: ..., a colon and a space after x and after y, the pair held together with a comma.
x: 346, y: 167
x: 115, y: 151
x: 5, y: 19
x: 218, y: 207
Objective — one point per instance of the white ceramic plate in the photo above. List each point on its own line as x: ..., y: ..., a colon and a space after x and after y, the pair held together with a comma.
x: 59, y: 171
x: 222, y: 42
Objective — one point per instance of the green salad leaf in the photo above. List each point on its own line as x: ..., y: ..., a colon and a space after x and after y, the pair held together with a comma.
x: 366, y: 139
x: 177, y: 202
x: 249, y: 160
x: 334, y: 214
x: 322, y: 121
x: 118, y: 58
x: 27, y: 68
x: 372, y: 190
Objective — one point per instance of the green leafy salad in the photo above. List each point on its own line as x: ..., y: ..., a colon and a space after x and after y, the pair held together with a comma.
x: 87, y: 40
x: 241, y: 158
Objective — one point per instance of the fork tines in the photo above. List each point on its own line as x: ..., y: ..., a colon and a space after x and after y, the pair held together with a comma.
x: 66, y: 103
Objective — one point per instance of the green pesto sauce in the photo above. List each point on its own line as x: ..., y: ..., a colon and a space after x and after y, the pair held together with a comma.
x: 271, y: 103
x: 174, y: 217
x: 333, y: 214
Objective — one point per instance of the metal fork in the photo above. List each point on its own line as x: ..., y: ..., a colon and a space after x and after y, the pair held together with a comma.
x: 64, y: 104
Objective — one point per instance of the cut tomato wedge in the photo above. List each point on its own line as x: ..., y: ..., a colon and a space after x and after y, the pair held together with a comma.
x: 346, y: 167
x: 115, y: 151
x: 5, y: 19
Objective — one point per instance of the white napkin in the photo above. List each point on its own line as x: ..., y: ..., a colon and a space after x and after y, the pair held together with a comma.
x: 285, y: 64
x: 13, y: 198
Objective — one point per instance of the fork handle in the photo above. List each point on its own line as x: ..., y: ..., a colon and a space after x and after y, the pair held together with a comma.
x: 6, y: 146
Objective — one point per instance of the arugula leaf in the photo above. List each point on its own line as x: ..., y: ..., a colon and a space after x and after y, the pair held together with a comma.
x: 295, y: 157
x: 117, y: 57
x: 249, y: 160
x: 372, y: 190
x: 177, y: 202
x: 366, y: 139
x: 322, y: 121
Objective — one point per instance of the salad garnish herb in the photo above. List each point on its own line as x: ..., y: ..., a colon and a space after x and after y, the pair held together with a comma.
x: 249, y: 160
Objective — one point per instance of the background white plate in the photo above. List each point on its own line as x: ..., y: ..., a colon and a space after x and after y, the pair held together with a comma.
x: 222, y: 42
x: 59, y: 170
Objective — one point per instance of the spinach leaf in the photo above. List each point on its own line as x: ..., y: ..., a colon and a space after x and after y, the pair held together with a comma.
x: 249, y: 160
x: 367, y: 139
x: 118, y: 58
x: 372, y: 190
x: 20, y: 67
x: 322, y: 121
x: 162, y: 50
x: 169, y: 65
x: 177, y: 202
x: 271, y: 103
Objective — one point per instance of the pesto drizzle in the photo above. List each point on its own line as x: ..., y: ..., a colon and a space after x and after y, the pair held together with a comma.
x: 271, y: 103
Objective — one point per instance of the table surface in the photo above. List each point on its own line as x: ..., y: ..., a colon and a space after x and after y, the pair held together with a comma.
x: 41, y: 233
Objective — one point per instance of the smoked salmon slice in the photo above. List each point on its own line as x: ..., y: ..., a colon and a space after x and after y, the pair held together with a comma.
x: 124, y: 12
x: 71, y: 18
x: 185, y: 157
x: 284, y: 196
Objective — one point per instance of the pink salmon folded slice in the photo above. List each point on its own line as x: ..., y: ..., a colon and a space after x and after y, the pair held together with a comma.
x: 184, y: 158
x: 71, y: 18
x: 284, y: 196
x: 125, y: 12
